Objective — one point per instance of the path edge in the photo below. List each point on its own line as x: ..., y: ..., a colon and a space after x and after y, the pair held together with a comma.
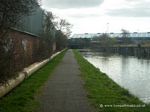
x: 24, y: 74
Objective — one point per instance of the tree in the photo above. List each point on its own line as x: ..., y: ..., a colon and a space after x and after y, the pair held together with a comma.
x: 105, y: 40
x: 61, y: 40
x: 64, y: 26
x: 11, y: 12
x: 49, y: 27
x: 47, y: 36
x: 125, y: 33
x: 48, y: 20
x: 125, y: 36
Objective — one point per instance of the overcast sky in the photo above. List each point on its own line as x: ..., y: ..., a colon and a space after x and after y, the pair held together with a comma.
x: 94, y: 16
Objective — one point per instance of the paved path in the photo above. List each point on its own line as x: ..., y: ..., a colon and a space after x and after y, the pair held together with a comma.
x: 64, y: 90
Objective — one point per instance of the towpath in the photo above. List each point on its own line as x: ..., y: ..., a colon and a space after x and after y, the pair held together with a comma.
x: 64, y: 91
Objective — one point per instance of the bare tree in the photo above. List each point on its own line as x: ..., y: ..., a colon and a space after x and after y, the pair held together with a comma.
x: 11, y: 12
x: 61, y: 40
x: 48, y: 35
x: 125, y: 33
x: 48, y: 21
x: 125, y: 36
x: 64, y: 26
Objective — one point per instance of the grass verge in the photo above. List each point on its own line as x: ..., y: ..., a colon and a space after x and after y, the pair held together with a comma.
x: 22, y: 98
x: 104, y: 93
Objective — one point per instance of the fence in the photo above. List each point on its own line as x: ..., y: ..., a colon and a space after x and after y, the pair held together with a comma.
x: 33, y: 23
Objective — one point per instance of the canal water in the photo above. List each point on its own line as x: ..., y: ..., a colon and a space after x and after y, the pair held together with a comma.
x: 129, y: 72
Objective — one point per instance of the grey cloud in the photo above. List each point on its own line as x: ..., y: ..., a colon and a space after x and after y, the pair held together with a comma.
x: 64, y: 4
x: 138, y: 10
x: 131, y: 12
x: 133, y: 0
x: 84, y: 15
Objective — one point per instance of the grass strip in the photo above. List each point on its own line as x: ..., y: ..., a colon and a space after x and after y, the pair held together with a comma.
x: 22, y: 98
x: 104, y: 93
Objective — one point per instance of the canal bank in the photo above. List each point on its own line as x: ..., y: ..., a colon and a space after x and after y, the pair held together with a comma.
x: 129, y: 72
x: 104, y: 93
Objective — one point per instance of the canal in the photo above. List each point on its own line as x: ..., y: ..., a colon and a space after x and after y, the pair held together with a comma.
x: 129, y: 72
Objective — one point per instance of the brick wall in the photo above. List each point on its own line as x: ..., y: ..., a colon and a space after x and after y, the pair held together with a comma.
x: 22, y: 50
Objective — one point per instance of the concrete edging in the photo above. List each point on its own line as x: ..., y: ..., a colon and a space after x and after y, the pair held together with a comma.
x: 28, y: 71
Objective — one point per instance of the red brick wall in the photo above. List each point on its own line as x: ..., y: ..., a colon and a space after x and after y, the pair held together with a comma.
x: 25, y: 49
x: 21, y: 50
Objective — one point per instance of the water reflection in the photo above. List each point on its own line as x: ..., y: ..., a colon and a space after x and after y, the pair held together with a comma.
x: 129, y: 72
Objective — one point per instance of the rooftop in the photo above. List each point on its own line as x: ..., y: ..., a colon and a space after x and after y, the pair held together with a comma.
x: 132, y: 35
